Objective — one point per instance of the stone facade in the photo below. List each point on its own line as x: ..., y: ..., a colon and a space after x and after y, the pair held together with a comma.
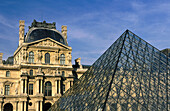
x: 41, y: 71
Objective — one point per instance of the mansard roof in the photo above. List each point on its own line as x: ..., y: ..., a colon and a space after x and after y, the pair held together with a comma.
x: 41, y: 30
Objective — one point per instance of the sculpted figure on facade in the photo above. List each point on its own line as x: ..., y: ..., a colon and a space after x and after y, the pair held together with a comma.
x: 25, y: 55
x: 56, y: 58
x: 69, y: 57
x: 39, y: 70
x: 39, y: 53
x: 56, y: 71
x: 16, y: 91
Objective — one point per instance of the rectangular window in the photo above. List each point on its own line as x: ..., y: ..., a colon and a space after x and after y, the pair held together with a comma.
x: 7, y: 88
x: 31, y: 72
x: 7, y: 73
x: 30, y: 89
x: 57, y: 86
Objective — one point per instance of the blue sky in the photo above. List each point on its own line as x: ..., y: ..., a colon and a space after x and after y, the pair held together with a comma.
x: 93, y: 25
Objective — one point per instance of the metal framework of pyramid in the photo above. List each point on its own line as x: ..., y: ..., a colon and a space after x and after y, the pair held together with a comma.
x: 131, y: 75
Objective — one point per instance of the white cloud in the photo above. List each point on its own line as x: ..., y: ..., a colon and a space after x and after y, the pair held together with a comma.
x: 6, y: 22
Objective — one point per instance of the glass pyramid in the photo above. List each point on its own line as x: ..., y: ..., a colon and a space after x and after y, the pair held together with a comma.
x: 131, y: 75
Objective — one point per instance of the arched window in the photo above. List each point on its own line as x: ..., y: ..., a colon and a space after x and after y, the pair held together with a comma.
x: 31, y: 72
x: 62, y: 59
x: 63, y: 73
x: 31, y: 57
x: 48, y: 89
x: 7, y: 73
x: 47, y: 58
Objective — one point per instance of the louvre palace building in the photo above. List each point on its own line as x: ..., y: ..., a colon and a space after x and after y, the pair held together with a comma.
x: 40, y: 70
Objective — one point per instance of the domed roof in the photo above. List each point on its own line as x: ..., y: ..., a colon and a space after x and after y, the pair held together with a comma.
x: 41, y: 33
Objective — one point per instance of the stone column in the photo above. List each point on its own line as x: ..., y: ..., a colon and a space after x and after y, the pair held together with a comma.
x: 14, y: 106
x: 22, y: 85
x: 37, y: 106
x: 37, y: 86
x: 25, y: 86
x: 17, y: 106
x: 41, y: 86
x: 59, y: 89
x: 41, y: 106
x: 1, y: 106
x: 56, y: 86
x: 25, y: 103
x: 20, y: 106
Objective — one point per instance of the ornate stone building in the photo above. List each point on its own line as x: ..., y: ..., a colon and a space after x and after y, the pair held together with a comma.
x: 40, y: 70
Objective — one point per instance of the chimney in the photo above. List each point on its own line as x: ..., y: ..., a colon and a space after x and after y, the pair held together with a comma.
x: 64, y: 31
x: 78, y: 62
x: 1, y: 55
x: 21, y: 31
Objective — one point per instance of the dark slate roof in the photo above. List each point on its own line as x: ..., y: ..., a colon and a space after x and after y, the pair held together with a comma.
x: 41, y: 30
x: 38, y: 34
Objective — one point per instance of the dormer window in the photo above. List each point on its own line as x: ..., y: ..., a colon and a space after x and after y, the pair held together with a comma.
x: 7, y: 73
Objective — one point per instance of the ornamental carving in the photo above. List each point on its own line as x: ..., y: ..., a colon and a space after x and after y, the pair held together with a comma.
x: 49, y: 71
x: 25, y: 55
x: 39, y: 56
x: 46, y: 43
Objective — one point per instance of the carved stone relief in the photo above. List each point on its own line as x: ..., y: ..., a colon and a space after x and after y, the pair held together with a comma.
x: 39, y: 53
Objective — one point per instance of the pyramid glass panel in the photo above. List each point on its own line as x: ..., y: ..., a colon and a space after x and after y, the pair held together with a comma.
x: 131, y: 75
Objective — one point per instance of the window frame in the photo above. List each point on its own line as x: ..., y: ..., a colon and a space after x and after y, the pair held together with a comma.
x: 31, y: 89
x: 31, y: 72
x: 31, y: 57
x: 48, y: 88
x: 7, y: 89
x: 47, y: 58
x: 7, y: 73
x: 62, y: 59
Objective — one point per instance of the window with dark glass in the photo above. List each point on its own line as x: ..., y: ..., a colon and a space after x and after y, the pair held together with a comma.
x: 31, y: 57
x: 48, y: 89
x: 63, y: 73
x: 7, y: 89
x: 7, y: 73
x: 30, y: 89
x: 47, y: 58
x: 31, y: 72
x: 62, y: 59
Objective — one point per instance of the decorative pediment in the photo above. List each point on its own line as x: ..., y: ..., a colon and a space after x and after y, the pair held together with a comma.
x: 48, y: 42
x: 8, y: 83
